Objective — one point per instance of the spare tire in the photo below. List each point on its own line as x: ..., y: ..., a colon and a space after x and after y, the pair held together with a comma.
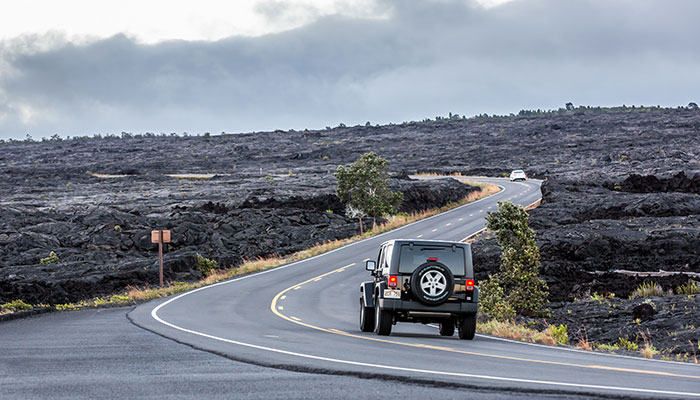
x: 432, y: 283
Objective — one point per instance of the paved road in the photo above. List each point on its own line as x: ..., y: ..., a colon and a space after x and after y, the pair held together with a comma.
x: 304, y: 317
x: 99, y: 354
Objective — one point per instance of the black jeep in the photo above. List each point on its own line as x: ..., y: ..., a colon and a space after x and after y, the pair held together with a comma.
x: 424, y: 281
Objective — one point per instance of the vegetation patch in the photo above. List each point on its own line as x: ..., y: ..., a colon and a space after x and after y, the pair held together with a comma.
x: 14, y: 306
x: 364, y: 187
x: 52, y: 258
x: 559, y: 333
x: 517, y: 286
x: 513, y: 330
x: 647, y: 289
x: 205, y: 265
x: 688, y: 288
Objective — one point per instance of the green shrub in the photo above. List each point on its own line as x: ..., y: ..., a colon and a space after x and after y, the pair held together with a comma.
x: 205, y: 265
x: 14, y: 306
x: 364, y: 185
x: 559, y: 333
x: 689, y: 287
x: 607, y: 347
x: 628, y: 344
x: 518, y: 276
x: 647, y: 289
x: 492, y: 301
x: 52, y: 258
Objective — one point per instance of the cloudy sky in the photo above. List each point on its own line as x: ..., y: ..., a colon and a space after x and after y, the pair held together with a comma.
x: 80, y: 67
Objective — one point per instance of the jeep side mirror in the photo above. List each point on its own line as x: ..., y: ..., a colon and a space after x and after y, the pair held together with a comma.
x: 371, y: 265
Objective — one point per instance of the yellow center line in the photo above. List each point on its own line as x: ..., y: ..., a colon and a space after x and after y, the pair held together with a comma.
x: 273, y: 307
x: 366, y: 259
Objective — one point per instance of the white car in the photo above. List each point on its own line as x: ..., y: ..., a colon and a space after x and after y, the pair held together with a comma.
x: 518, y: 175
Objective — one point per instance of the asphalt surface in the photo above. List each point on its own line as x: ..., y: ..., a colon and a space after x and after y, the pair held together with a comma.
x: 99, y: 354
x: 304, y: 317
x: 296, y: 330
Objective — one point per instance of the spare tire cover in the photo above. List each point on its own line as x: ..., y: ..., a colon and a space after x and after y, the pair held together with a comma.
x: 432, y: 283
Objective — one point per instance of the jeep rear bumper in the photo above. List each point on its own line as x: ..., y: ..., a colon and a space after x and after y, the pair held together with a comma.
x: 453, y: 308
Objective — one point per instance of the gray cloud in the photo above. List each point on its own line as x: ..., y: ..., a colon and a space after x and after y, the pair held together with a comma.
x: 426, y: 59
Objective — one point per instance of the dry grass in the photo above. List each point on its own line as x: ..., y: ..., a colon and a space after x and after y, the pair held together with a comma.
x: 647, y: 289
x: 533, y: 205
x: 139, y: 294
x: 512, y: 330
x: 648, y: 350
x: 419, y: 174
x: 584, y: 344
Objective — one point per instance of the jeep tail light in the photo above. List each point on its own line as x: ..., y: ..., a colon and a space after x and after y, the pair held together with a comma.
x: 470, y: 284
x: 432, y: 259
x: 392, y: 281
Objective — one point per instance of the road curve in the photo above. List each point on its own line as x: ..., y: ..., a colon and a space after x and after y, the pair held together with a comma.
x: 304, y: 316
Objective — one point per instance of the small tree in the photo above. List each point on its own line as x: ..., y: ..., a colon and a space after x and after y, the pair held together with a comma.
x: 518, y: 278
x: 364, y: 187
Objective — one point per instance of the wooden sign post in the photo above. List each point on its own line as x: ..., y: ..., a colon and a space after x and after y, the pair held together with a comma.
x: 160, y: 237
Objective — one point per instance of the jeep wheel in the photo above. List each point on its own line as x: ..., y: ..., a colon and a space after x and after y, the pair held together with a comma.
x: 447, y: 328
x: 467, y: 327
x: 366, y: 317
x: 382, y: 322
x: 432, y: 283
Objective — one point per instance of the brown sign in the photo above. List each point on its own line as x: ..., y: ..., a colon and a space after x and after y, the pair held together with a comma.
x: 160, y: 236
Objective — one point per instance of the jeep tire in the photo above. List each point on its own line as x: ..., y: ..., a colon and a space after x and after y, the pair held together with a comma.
x: 432, y: 283
x: 382, y: 322
x: 467, y: 327
x: 366, y: 317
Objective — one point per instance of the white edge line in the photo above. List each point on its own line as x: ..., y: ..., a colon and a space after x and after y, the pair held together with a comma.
x: 154, y: 315
x: 579, y: 350
x: 423, y: 371
x: 591, y: 352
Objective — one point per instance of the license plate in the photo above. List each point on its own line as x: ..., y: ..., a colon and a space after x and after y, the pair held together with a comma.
x: 392, y: 294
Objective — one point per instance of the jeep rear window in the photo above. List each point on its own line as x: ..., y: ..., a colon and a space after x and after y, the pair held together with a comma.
x: 409, y: 259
